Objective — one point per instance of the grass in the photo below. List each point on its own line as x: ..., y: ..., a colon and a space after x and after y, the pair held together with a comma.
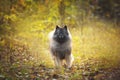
x: 96, y: 45
x: 97, y: 40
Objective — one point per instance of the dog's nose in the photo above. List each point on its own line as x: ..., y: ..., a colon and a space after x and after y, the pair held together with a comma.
x: 61, y: 36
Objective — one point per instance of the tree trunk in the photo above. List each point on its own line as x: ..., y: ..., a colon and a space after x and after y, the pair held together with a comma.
x: 62, y: 12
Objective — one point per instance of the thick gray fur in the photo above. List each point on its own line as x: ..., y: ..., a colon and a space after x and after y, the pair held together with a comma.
x: 61, y: 51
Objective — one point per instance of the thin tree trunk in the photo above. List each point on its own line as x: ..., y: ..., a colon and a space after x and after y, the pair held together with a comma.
x: 62, y: 12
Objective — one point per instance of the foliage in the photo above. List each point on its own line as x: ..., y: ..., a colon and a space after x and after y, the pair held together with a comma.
x: 24, y: 28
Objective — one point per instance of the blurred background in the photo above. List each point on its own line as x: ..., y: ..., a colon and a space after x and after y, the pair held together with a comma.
x: 25, y: 24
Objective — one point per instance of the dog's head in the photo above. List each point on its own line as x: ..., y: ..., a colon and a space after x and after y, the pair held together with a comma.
x: 61, y: 35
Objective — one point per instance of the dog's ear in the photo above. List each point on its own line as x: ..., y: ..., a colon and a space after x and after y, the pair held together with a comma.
x: 57, y: 27
x: 65, y: 27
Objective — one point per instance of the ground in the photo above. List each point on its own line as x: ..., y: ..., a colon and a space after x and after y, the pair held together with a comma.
x: 96, y: 49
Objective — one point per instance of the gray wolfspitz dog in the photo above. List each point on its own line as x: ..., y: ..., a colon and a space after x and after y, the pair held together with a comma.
x: 60, y: 46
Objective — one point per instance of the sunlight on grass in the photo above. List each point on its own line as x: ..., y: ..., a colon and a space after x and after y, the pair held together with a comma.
x: 97, y: 40
x: 24, y: 44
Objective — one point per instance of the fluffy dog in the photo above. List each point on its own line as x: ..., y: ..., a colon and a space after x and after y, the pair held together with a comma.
x: 60, y: 46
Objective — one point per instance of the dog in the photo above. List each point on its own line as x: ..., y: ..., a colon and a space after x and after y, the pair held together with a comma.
x: 61, y: 46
